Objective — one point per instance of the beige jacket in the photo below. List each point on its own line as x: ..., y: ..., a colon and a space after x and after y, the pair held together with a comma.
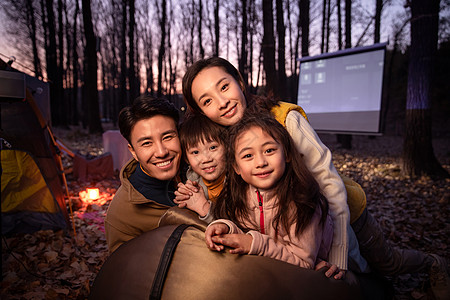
x: 130, y: 214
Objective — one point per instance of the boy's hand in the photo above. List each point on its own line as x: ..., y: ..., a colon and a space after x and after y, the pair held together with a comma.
x: 212, y: 231
x: 333, y: 269
x: 196, y: 201
x: 185, y: 190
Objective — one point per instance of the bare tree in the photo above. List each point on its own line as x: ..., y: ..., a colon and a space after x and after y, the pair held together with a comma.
x: 134, y: 89
x: 418, y: 154
x: 199, y: 28
x: 268, y: 48
x: 75, y: 67
x: 324, y: 24
x: 253, y: 25
x: 62, y: 107
x: 32, y: 31
x: 91, y: 69
x: 243, y: 69
x: 339, y: 19
x: 378, y: 10
x: 348, y: 23
x: 281, y: 32
x: 123, y: 99
x: 216, y: 28
x: 162, y: 16
x: 304, y: 6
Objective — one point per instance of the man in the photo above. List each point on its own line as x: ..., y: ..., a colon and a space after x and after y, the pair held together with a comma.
x: 148, y: 181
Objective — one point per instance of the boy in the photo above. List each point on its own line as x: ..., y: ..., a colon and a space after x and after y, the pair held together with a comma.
x: 203, y: 144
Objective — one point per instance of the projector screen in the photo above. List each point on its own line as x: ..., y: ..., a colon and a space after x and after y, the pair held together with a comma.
x: 341, y: 92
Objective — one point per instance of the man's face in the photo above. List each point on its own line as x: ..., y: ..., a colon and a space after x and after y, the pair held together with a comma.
x: 156, y: 146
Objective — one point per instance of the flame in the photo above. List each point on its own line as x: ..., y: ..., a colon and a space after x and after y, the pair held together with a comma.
x: 93, y: 193
x: 92, y: 196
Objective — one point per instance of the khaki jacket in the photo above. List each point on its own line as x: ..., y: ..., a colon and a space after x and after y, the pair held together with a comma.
x: 130, y: 214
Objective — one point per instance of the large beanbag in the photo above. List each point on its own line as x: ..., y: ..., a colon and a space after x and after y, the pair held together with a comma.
x: 155, y: 265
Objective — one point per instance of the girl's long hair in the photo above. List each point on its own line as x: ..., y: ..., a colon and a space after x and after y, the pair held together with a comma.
x: 297, y: 191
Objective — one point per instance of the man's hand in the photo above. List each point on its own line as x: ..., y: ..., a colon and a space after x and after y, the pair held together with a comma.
x: 332, y: 269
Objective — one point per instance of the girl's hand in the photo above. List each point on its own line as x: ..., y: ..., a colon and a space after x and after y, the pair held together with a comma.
x: 241, y: 243
x: 211, y: 232
x: 340, y: 274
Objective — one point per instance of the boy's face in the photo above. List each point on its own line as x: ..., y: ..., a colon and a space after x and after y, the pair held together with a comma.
x: 207, y: 159
x: 155, y: 144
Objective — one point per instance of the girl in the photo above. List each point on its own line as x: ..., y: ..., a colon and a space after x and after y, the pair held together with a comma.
x: 272, y: 196
x: 214, y: 87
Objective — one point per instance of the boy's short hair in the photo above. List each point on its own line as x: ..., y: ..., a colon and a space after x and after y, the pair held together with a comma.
x: 145, y: 107
x: 199, y: 128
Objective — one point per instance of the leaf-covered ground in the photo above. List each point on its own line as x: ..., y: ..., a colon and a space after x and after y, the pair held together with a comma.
x: 413, y: 213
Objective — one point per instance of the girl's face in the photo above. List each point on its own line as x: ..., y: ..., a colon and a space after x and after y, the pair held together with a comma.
x: 219, y: 96
x: 207, y: 159
x: 259, y: 158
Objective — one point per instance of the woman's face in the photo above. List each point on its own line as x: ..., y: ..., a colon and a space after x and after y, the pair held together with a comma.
x: 219, y: 96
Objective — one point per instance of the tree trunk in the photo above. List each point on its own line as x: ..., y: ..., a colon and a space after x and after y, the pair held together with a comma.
x: 281, y: 31
x: 75, y: 68
x: 123, y: 100
x: 134, y: 90
x: 216, y: 27
x: 339, y: 13
x: 327, y: 43
x: 418, y: 154
x: 348, y: 24
x: 200, y: 23
x: 253, y: 23
x: 162, y: 46
x: 244, y: 31
x: 324, y: 23
x: 70, y: 86
x: 60, y: 69
x: 31, y: 23
x: 268, y: 48
x: 95, y: 125
x: 291, y: 49
x: 304, y: 26
x: 52, y: 63
x: 378, y: 10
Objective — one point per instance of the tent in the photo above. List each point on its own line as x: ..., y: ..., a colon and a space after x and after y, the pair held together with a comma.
x: 32, y: 178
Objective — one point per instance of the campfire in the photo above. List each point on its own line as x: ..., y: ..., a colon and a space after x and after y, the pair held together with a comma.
x: 93, y: 196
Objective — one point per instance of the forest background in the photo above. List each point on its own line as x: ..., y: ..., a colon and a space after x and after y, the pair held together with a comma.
x: 100, y: 55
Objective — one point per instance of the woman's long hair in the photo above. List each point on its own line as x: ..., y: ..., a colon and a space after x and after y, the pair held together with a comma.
x: 297, y: 191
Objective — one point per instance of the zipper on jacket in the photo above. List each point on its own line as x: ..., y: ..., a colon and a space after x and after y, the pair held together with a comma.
x: 261, y: 212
